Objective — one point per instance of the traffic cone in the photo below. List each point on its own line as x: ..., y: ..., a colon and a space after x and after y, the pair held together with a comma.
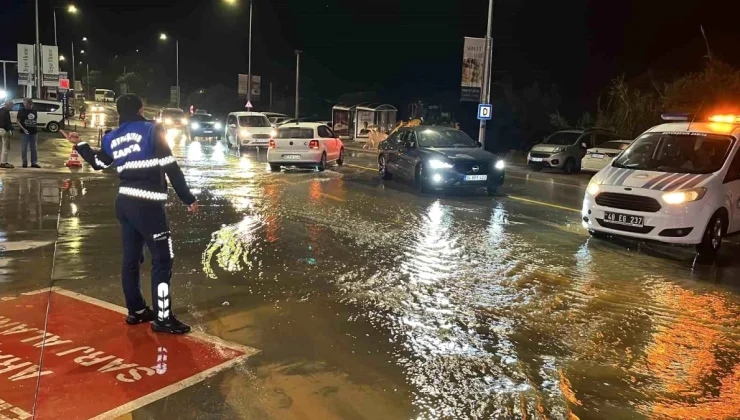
x: 74, y: 160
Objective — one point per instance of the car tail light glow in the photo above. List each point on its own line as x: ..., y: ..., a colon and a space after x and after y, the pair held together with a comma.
x: 272, y: 144
x: 313, y: 144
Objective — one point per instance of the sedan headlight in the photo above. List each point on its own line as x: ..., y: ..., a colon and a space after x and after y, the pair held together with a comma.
x: 168, y: 121
x: 680, y: 197
x: 244, y: 132
x: 195, y: 126
x: 438, y: 164
x: 593, y: 188
x: 217, y: 126
x: 500, y: 165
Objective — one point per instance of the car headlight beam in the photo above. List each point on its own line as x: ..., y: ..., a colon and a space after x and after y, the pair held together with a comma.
x: 195, y: 126
x: 438, y: 164
x: 500, y: 165
x: 686, y: 196
x: 217, y: 126
x: 244, y: 132
x: 593, y: 188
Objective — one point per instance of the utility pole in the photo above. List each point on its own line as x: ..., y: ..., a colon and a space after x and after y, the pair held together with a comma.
x: 177, y: 69
x: 249, y: 54
x: 485, y: 94
x: 74, y: 64
x: 5, y: 76
x: 297, y: 79
x: 270, y: 96
x: 88, y: 82
x: 38, y: 54
x: 55, y: 25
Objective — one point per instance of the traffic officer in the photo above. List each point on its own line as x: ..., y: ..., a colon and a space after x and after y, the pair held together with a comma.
x: 140, y: 152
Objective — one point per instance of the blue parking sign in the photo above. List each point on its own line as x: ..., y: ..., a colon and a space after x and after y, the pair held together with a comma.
x: 485, y: 111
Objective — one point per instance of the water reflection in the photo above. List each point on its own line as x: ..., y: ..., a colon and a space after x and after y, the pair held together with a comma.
x: 231, y: 246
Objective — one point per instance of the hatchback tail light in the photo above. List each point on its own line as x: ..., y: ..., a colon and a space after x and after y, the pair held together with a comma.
x: 272, y: 144
x: 313, y: 144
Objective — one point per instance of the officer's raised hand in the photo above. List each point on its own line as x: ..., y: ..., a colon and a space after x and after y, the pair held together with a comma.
x: 72, y: 137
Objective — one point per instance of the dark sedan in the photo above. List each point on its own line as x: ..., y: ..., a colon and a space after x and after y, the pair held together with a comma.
x: 439, y: 158
x: 205, y: 125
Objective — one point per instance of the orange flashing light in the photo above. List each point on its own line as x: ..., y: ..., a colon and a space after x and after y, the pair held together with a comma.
x: 730, y: 119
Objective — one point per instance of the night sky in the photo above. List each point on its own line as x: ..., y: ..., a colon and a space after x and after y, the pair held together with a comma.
x: 403, y: 49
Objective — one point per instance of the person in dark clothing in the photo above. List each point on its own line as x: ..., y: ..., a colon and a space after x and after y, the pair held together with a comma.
x: 6, y: 132
x: 140, y: 152
x: 27, y: 120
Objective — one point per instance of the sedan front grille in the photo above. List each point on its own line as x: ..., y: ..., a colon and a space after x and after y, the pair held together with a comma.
x: 540, y: 155
x: 628, y: 202
x: 260, y: 136
x: 468, y: 168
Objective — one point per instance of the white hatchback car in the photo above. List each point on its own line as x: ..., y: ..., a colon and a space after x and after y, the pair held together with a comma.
x: 678, y: 183
x: 49, y: 113
x: 248, y: 129
x: 600, y: 156
x: 305, y: 145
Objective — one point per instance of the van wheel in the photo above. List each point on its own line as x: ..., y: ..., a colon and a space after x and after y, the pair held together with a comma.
x: 340, y: 161
x: 322, y: 164
x: 570, y: 166
x: 711, y: 242
x: 53, y: 127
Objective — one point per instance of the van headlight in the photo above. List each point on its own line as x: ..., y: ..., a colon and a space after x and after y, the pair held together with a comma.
x: 217, y: 126
x: 558, y: 150
x: 438, y: 164
x: 686, y: 196
x: 244, y: 132
x: 593, y: 188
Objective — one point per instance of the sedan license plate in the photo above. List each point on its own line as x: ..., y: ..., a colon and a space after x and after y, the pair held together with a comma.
x: 476, y: 177
x: 624, y: 219
x: 207, y: 132
x: 597, y: 155
x: 292, y: 157
x: 536, y: 159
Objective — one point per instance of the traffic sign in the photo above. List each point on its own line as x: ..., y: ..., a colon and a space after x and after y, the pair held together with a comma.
x: 485, y: 111
x: 64, y: 84
x: 248, y: 105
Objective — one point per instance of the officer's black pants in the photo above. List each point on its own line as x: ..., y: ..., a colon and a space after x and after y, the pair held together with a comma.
x: 145, y: 222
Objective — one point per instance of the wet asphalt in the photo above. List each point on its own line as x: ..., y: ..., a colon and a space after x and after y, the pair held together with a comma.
x: 368, y: 300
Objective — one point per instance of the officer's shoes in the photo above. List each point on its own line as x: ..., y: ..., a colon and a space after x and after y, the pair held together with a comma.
x: 172, y: 325
x: 138, y: 318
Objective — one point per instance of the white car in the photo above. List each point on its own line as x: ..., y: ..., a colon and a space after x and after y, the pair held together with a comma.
x: 49, y: 114
x: 248, y: 129
x: 600, y: 156
x: 305, y: 145
x: 678, y: 183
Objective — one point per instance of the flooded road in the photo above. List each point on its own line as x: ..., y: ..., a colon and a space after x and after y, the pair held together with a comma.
x: 369, y: 301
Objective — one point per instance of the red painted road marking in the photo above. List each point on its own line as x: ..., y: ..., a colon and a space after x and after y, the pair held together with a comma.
x: 94, y: 365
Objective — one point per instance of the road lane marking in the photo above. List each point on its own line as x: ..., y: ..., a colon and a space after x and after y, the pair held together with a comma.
x: 542, y: 203
x: 361, y: 167
x: 547, y: 182
x: 332, y: 197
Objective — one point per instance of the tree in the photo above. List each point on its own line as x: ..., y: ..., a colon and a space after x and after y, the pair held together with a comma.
x: 628, y: 111
x: 716, y: 87
x: 138, y: 82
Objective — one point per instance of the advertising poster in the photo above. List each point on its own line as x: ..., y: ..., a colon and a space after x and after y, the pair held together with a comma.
x: 472, y: 69
x: 25, y: 64
x: 364, y: 121
x: 340, y: 119
x: 244, y: 85
x: 50, y: 65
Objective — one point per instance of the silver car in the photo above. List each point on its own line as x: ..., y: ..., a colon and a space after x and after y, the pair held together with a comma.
x: 565, y: 149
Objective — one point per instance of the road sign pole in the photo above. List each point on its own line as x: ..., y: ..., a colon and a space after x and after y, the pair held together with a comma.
x: 249, y: 57
x: 486, y: 90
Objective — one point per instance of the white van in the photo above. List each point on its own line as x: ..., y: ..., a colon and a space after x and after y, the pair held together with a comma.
x: 248, y: 129
x: 678, y: 183
x: 50, y: 114
x: 105, y: 95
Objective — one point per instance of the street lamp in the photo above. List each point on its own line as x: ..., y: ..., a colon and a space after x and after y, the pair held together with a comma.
x: 61, y: 58
x: 84, y: 39
x: 163, y: 37
x: 71, y: 9
x: 82, y: 51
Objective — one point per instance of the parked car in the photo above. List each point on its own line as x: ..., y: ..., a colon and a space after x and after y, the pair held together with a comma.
x: 275, y: 116
x: 50, y: 114
x: 206, y: 126
x: 600, y: 156
x: 565, y: 149
x: 439, y: 158
x: 248, y: 129
x: 304, y: 145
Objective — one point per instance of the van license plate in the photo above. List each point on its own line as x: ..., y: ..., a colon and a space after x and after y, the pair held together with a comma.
x: 624, y: 219
x: 536, y: 159
x: 597, y: 156
x: 476, y: 177
x: 292, y: 157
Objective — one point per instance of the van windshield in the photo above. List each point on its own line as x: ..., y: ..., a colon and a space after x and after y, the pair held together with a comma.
x: 681, y: 152
x: 563, y: 139
x: 254, y: 121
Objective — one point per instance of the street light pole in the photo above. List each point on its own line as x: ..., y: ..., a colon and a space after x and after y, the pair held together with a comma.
x: 297, y: 79
x: 55, y: 26
x: 38, y: 54
x: 486, y: 90
x: 74, y: 83
x: 88, y: 82
x: 249, y: 70
x: 177, y: 69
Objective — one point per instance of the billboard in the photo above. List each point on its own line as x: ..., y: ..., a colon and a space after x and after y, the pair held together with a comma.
x: 26, y: 60
x: 50, y: 65
x: 244, y: 85
x: 472, y: 69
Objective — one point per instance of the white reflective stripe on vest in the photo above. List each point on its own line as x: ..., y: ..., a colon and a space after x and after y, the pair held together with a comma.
x: 143, y: 194
x: 146, y: 164
x: 100, y: 163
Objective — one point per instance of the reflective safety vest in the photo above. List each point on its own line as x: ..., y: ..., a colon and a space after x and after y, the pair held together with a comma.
x: 132, y: 143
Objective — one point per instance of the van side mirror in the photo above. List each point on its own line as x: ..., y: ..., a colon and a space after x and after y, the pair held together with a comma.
x: 584, y: 145
x: 479, y: 144
x: 232, y: 125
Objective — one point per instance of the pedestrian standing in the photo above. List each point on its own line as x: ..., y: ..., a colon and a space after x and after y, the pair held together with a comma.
x: 143, y: 158
x: 28, y: 120
x: 6, y: 133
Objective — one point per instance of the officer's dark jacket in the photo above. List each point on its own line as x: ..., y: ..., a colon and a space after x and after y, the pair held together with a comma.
x: 143, y: 158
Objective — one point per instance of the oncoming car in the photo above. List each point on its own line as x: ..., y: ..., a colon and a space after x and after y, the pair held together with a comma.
x: 248, y: 129
x: 678, y: 183
x: 600, y: 156
x: 305, y: 145
x: 439, y: 158
x: 206, y: 126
